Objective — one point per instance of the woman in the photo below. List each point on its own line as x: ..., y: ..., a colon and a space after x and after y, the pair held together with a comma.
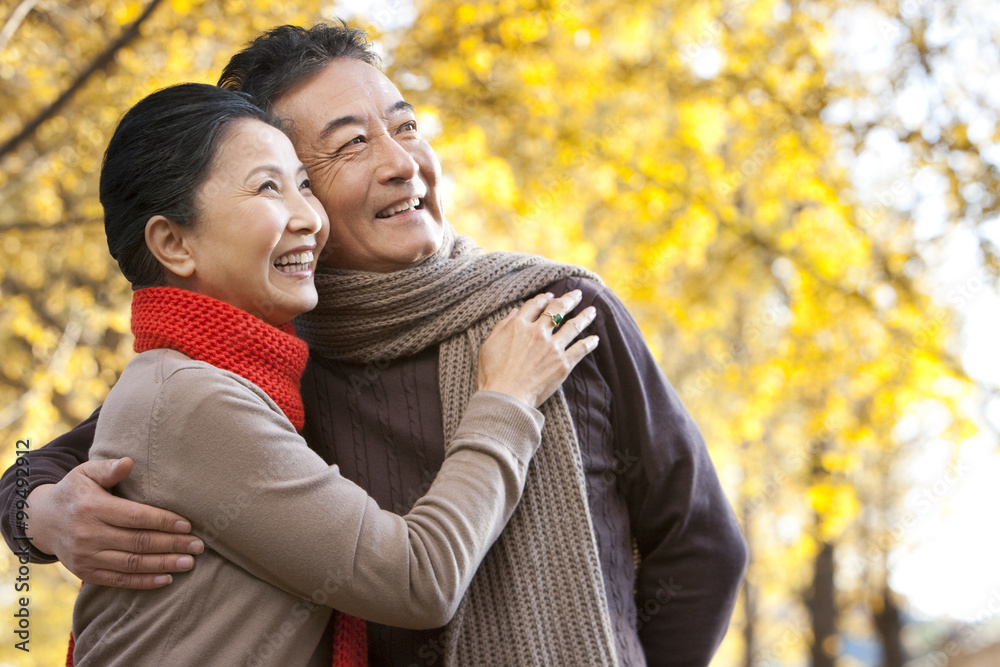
x: 209, y: 214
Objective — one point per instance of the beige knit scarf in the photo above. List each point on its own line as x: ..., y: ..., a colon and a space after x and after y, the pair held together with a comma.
x: 538, y: 597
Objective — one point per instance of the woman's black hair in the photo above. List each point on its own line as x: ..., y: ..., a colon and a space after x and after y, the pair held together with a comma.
x: 158, y: 157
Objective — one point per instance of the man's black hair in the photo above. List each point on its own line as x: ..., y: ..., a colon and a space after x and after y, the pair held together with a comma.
x: 284, y: 56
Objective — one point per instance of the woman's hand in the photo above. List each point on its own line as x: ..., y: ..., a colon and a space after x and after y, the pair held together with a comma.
x: 527, y: 355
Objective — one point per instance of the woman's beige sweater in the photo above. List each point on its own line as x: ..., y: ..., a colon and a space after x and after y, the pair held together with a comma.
x: 287, y: 538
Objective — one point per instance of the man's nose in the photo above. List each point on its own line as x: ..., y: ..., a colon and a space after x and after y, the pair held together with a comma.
x: 395, y: 162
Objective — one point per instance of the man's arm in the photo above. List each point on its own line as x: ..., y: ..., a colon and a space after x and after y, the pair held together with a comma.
x: 693, y: 555
x: 71, y: 516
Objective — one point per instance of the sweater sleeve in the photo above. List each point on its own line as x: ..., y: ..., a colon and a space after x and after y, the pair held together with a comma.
x: 692, y: 552
x: 46, y: 465
x: 220, y: 454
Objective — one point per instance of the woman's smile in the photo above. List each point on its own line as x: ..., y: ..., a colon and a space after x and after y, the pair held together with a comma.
x: 295, y: 262
x: 259, y: 228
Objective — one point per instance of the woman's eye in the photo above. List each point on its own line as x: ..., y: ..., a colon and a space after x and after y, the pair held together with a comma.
x: 305, y: 185
x: 410, y: 125
x: 267, y: 185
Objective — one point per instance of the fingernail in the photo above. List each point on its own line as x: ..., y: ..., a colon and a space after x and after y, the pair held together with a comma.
x: 185, y: 563
x: 196, y: 547
x: 590, y: 311
x: 182, y: 527
x: 593, y: 341
x: 162, y: 580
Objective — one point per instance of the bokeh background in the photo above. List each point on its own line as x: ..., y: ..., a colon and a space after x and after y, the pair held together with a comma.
x: 797, y: 200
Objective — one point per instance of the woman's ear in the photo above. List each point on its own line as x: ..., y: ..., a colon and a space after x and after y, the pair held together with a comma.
x: 168, y: 242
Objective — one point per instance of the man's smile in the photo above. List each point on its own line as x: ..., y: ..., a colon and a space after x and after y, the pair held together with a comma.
x: 414, y: 204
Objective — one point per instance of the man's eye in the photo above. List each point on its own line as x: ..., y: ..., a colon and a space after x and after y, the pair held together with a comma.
x: 410, y: 125
x: 305, y: 185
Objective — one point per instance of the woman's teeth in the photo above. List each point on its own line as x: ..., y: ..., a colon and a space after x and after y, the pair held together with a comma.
x: 293, y: 262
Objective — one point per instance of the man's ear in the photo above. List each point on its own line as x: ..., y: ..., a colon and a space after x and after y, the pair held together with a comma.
x: 168, y: 242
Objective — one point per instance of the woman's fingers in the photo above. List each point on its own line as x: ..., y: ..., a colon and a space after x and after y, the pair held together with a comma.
x: 552, y: 312
x: 553, y: 316
x: 570, y: 329
x: 527, y: 355
x: 534, y: 306
x: 581, y: 348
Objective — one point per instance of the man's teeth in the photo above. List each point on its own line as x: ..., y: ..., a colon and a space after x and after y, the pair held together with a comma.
x: 294, y: 261
x: 398, y: 208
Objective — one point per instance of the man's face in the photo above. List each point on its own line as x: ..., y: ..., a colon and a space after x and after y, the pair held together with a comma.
x: 374, y: 174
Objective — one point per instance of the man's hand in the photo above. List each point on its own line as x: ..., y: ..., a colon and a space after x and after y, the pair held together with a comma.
x: 106, y: 540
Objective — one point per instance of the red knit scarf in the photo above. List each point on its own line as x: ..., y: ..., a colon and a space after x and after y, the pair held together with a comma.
x: 212, y: 331
x: 273, y: 358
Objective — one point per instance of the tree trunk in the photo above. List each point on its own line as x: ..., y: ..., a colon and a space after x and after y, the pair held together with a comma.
x: 749, y: 597
x: 823, y: 610
x: 889, y: 626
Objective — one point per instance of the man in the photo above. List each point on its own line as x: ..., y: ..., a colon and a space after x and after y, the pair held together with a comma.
x: 623, y: 550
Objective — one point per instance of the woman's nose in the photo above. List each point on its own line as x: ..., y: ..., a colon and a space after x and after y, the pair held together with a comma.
x: 305, y: 218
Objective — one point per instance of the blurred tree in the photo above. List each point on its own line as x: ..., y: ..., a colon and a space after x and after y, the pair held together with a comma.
x: 914, y: 108
x: 920, y: 78
x: 682, y: 149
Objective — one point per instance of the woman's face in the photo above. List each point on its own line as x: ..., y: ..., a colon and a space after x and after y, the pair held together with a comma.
x: 259, y: 229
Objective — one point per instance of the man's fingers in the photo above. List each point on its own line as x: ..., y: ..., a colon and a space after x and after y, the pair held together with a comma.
x: 129, y: 514
x: 129, y: 563
x: 126, y: 513
x: 143, y: 582
x: 152, y: 542
x: 107, y: 473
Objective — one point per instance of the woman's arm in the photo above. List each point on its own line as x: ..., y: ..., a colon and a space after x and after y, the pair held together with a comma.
x: 109, y: 541
x: 221, y: 454
x: 215, y: 449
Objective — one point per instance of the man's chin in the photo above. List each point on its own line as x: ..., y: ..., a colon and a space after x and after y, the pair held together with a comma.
x: 420, y: 248
x: 410, y: 248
